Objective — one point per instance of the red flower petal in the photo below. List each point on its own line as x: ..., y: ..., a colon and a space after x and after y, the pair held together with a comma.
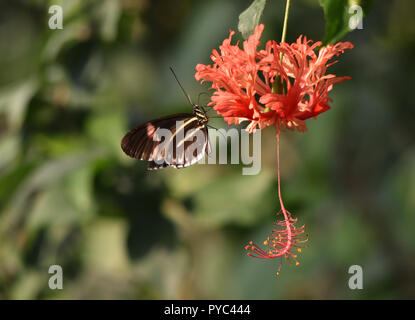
x: 243, y: 79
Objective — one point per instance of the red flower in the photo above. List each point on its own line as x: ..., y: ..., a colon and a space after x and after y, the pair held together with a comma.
x: 283, y: 85
x: 265, y: 89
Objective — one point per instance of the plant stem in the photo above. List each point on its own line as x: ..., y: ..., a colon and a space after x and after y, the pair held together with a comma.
x: 284, y: 28
x: 277, y: 86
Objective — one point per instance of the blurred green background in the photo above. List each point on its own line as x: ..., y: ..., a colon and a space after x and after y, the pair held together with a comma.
x: 69, y: 196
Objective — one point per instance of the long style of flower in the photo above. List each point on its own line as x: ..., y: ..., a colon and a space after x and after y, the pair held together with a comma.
x: 286, y: 238
x: 282, y: 85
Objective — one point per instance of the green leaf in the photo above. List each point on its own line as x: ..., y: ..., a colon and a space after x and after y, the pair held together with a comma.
x: 9, y: 148
x: 15, y: 99
x: 249, y: 19
x: 45, y: 176
x: 338, y: 14
x: 52, y: 207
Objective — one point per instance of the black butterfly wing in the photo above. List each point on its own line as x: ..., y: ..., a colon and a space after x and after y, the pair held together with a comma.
x: 140, y: 142
x: 183, y: 157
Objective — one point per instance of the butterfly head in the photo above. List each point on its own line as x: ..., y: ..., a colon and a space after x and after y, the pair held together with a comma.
x: 200, y: 113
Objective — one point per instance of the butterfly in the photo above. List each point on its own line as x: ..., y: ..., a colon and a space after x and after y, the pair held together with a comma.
x: 186, y: 145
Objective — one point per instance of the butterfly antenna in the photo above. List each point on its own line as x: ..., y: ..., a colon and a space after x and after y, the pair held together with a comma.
x: 185, y: 93
x: 198, y: 97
